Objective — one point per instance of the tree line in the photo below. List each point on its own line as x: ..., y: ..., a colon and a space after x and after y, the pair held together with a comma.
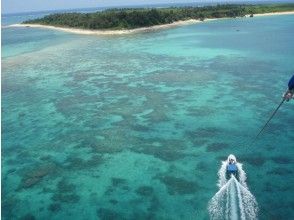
x: 129, y: 18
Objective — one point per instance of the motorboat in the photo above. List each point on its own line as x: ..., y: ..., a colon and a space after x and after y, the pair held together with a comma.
x: 232, y: 167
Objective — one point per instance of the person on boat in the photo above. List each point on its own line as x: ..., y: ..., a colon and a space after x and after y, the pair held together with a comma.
x: 232, y: 168
x: 290, y: 92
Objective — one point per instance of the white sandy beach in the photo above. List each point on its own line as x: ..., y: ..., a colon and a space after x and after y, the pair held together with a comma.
x: 275, y: 13
x: 136, y: 30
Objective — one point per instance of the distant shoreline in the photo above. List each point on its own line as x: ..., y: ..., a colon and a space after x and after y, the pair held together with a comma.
x: 136, y: 30
x: 111, y: 32
x: 274, y: 13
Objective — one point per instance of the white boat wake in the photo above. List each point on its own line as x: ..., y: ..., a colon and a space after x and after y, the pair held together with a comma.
x: 233, y: 201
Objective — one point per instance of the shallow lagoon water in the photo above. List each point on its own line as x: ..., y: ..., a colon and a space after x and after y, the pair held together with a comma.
x: 135, y: 127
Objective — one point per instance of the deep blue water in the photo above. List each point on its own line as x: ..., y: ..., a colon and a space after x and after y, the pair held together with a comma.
x: 135, y: 127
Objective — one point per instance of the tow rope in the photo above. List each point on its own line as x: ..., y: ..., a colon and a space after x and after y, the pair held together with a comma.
x: 262, y: 129
x: 289, y: 94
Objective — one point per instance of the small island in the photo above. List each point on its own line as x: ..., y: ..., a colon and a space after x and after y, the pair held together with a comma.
x: 127, y: 20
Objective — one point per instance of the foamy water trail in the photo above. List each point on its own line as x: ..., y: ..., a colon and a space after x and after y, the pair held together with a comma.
x: 233, y: 201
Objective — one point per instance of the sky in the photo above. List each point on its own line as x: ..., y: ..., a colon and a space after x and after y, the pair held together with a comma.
x: 14, y: 6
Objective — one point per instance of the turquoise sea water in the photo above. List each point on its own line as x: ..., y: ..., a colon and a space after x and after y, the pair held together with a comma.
x: 135, y: 127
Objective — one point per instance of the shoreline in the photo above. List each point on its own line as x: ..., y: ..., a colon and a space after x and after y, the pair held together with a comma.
x: 136, y: 30
x: 274, y: 13
x: 112, y: 32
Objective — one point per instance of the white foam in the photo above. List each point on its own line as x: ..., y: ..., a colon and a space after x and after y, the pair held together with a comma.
x: 233, y: 200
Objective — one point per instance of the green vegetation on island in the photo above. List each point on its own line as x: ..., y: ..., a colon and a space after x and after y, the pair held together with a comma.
x: 127, y: 18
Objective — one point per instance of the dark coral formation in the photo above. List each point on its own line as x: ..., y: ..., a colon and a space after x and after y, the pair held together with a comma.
x: 201, y: 111
x: 269, y: 187
x: 197, y: 142
x: 65, y: 187
x: 28, y: 216
x: 21, y: 114
x: 145, y: 191
x: 202, y: 166
x: 204, y: 132
x: 113, y: 201
x: 34, y: 176
x: 117, y: 182
x: 103, y: 147
x: 46, y: 158
x: 253, y: 160
x: 140, y: 128
x: 282, y: 160
x: 166, y: 150
x: 29, y: 182
x: 108, y: 214
x: 154, y: 205
x: 66, y: 197
x: 176, y: 185
x: 216, y: 147
x: 143, y: 215
x: 71, y: 105
x: 8, y: 205
x: 163, y: 153
x: 280, y: 171
x: 65, y: 192
x: 73, y: 162
x: 54, y: 207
